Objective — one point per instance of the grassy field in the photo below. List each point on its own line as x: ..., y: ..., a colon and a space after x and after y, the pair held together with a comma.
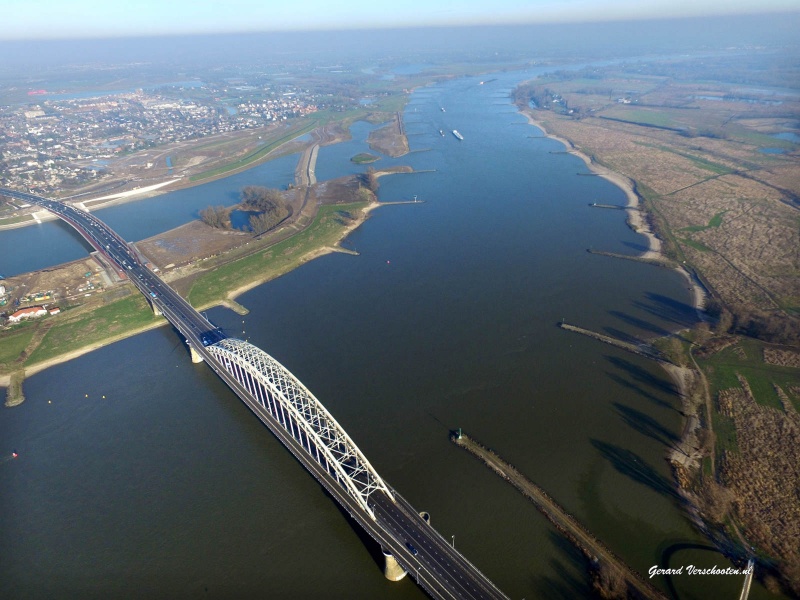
x: 73, y: 330
x: 15, y: 342
x: 255, y: 155
x: 746, y: 359
x: 661, y: 118
x: 91, y: 327
x: 715, y: 221
x: 364, y: 158
x: 15, y: 220
x: 213, y: 287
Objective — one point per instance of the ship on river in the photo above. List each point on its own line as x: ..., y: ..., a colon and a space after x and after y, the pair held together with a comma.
x: 458, y: 135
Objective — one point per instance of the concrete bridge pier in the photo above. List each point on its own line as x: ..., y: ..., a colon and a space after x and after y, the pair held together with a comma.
x: 156, y: 310
x: 391, y: 568
x: 196, y: 358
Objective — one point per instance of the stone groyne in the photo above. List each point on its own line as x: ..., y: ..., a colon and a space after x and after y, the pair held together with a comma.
x: 614, y: 574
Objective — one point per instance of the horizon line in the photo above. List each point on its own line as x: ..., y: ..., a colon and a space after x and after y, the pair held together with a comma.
x: 407, y: 26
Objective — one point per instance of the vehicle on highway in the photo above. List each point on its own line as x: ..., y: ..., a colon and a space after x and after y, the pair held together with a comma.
x: 412, y: 549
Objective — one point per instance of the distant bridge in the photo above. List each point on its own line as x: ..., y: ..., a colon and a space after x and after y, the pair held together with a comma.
x: 299, y: 421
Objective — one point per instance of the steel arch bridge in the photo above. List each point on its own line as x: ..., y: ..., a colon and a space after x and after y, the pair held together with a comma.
x: 302, y: 416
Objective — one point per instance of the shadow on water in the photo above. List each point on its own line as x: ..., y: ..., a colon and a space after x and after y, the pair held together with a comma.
x: 637, y: 247
x: 641, y: 391
x: 670, y: 551
x: 622, y: 335
x: 639, y: 323
x: 669, y: 309
x: 372, y: 547
x: 73, y: 233
x: 631, y: 465
x: 645, y: 424
x: 562, y: 584
x: 642, y: 376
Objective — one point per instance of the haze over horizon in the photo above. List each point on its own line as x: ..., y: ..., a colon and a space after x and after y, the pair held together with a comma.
x: 82, y: 19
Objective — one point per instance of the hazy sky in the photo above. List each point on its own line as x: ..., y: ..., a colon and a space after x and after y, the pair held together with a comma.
x: 36, y: 19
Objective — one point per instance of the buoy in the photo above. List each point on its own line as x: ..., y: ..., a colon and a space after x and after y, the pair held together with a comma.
x: 14, y: 454
x: 87, y: 395
x: 388, y: 262
x: 104, y: 397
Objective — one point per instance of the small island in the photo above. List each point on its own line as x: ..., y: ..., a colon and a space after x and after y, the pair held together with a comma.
x: 364, y: 158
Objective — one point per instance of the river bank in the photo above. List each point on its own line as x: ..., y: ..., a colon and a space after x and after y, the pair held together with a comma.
x: 41, y: 216
x: 323, y: 245
x: 324, y: 240
x: 5, y: 380
x: 185, y: 180
x: 323, y: 249
x: 636, y: 212
x: 686, y: 453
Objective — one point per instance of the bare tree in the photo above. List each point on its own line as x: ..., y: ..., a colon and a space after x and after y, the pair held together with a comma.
x: 260, y: 198
x: 215, y: 216
x: 265, y: 221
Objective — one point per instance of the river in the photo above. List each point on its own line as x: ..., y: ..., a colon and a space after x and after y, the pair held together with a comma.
x: 141, y: 475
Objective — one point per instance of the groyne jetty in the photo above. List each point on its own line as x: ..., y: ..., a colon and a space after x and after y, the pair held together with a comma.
x: 658, y: 262
x: 641, y: 349
x: 612, y: 571
x: 612, y: 206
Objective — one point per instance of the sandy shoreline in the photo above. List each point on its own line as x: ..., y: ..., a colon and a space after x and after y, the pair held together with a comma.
x: 113, y: 200
x: 235, y: 293
x: 636, y: 215
x: 5, y: 380
x: 686, y: 452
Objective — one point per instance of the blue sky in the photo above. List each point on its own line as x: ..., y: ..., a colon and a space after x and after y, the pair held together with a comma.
x: 37, y: 19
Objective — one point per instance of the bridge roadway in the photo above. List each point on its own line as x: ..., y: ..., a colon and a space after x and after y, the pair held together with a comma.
x: 397, y: 527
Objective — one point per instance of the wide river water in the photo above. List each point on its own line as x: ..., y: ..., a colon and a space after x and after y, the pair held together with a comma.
x: 142, y: 475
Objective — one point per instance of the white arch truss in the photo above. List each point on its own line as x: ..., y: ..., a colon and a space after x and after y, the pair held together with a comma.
x: 302, y: 416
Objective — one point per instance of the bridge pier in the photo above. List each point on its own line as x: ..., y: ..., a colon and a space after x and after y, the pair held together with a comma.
x: 426, y: 516
x: 391, y: 568
x: 156, y: 310
x: 196, y: 358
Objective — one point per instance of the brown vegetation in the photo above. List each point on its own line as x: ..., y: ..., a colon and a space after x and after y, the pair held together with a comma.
x: 391, y: 139
x: 270, y: 204
x: 717, y: 203
x: 729, y: 213
x: 216, y: 216
x: 764, y: 478
x: 369, y: 179
x: 781, y: 357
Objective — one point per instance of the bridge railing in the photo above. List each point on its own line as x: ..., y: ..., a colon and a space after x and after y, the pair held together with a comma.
x: 302, y: 416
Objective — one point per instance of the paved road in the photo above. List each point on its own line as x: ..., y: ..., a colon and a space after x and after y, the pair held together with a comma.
x: 436, y: 566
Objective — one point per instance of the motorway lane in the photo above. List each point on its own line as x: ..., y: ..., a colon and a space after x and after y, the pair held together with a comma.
x: 106, y: 241
x: 436, y: 557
